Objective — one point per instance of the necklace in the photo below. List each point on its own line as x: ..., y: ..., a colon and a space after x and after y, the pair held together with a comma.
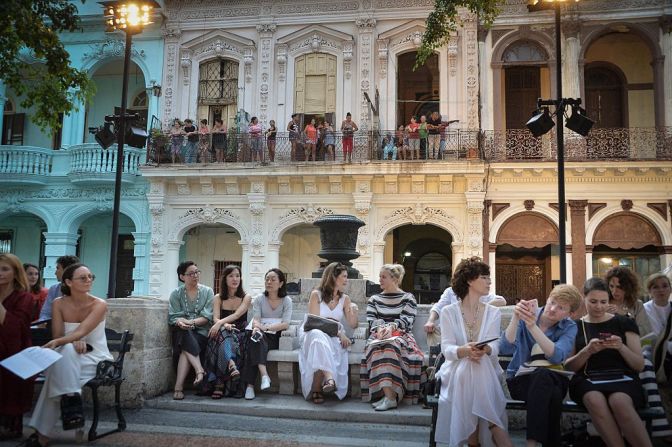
x: 471, y: 326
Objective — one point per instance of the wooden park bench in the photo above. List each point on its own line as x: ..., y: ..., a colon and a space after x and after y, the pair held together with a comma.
x: 108, y: 373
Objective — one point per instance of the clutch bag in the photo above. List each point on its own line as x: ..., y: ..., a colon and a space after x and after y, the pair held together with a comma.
x: 326, y: 325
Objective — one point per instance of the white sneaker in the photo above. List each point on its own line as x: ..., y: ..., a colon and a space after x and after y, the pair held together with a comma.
x: 387, y: 404
x: 249, y: 393
x: 378, y: 402
x: 265, y: 382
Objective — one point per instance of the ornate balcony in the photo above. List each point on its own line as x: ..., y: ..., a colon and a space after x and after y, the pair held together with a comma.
x: 90, y: 164
x: 25, y: 165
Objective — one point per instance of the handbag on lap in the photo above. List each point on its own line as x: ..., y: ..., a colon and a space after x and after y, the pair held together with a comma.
x: 326, y: 325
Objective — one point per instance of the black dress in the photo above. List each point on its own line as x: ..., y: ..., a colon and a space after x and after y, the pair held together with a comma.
x: 608, y: 359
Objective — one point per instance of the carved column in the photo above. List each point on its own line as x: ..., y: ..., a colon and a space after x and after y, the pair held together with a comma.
x: 140, y: 250
x: 283, y: 114
x: 255, y: 249
x: 470, y: 69
x: 388, y: 122
x: 578, y: 232
x: 365, y: 28
x: 486, y: 230
x: 265, y: 71
x: 187, y: 73
x: 170, y: 74
x: 571, y: 78
x: 483, y: 71
x: 248, y: 98
x: 666, y: 47
x: 473, y: 231
x: 348, y: 89
x: 378, y: 260
x: 73, y: 126
x: 157, y: 253
x: 55, y: 246
x: 450, y: 83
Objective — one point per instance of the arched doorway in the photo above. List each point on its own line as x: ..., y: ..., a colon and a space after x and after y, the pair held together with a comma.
x: 527, y: 247
x: 426, y: 254
x: 630, y: 240
x: 298, y: 252
x: 109, y: 80
x: 218, y: 91
x: 606, y: 100
x: 418, y: 92
x: 212, y: 247
x: 22, y: 235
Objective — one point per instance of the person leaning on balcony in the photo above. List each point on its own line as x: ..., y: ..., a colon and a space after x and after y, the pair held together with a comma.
x: 204, y: 141
x: 323, y: 360
x: 448, y: 297
x: 190, y: 319
x: 423, y: 132
x: 540, y: 340
x: 271, y: 314
x: 294, y: 134
x: 311, y: 140
x: 434, y: 126
x: 607, y: 342
x: 190, y: 150
x: 271, y: 135
x: 472, y: 404
x: 16, y: 310
x: 176, y: 140
x: 348, y: 128
x: 413, y: 138
x: 329, y: 141
x: 389, y: 148
x: 391, y: 368
x: 219, y: 140
x: 256, y: 140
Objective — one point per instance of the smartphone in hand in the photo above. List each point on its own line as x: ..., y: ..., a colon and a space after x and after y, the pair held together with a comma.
x: 482, y: 344
x: 533, y: 306
x: 256, y: 336
x: 604, y: 336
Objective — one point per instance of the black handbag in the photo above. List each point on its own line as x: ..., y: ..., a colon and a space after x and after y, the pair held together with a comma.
x: 326, y: 325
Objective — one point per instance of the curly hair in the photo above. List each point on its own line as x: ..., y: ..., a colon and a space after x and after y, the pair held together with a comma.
x: 468, y: 270
x: 627, y: 281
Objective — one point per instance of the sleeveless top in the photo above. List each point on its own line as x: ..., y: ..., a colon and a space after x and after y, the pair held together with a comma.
x: 240, y: 323
x: 326, y: 312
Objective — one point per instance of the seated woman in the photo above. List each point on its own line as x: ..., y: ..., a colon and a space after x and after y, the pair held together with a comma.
x: 323, y: 360
x: 391, y: 367
x: 16, y: 311
x: 271, y: 314
x: 608, y: 342
x: 223, y: 357
x: 552, y: 331
x: 658, y: 310
x: 78, y: 331
x: 472, y: 404
x: 190, y: 318
x: 38, y: 292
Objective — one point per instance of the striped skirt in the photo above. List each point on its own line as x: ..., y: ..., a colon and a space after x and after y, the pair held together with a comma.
x: 660, y: 427
x: 397, y: 364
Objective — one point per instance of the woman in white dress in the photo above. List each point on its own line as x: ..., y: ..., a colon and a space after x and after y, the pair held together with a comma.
x: 323, y: 360
x: 472, y: 404
x: 78, y: 331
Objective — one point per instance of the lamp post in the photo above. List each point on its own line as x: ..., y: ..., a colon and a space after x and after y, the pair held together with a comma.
x: 541, y: 123
x: 130, y: 17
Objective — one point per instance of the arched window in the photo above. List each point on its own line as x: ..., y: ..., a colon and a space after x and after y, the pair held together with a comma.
x: 140, y: 101
x: 522, y: 77
x: 524, y: 51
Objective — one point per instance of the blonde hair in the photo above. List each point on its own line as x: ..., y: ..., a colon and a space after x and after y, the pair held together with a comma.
x: 396, y: 271
x: 20, y: 277
x: 655, y: 277
x: 567, y: 294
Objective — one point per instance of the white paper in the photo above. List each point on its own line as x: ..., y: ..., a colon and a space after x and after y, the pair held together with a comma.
x: 31, y: 361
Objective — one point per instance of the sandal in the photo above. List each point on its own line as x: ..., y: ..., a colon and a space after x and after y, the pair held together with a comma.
x: 234, y: 374
x: 199, y: 377
x: 72, y: 412
x: 218, y: 393
x: 329, y: 386
x: 317, y: 398
x: 31, y: 441
x: 178, y: 395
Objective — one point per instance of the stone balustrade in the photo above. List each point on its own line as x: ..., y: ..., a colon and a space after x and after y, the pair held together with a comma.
x: 25, y: 164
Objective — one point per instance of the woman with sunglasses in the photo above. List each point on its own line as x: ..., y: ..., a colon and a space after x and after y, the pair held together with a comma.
x: 190, y: 319
x: 323, y: 360
x: 78, y: 331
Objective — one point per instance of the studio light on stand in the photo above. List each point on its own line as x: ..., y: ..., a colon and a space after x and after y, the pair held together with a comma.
x: 540, y: 123
x: 579, y: 122
x: 104, y: 136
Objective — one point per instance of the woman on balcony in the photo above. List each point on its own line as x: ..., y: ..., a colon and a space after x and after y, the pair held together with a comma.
x: 413, y: 139
x: 36, y: 290
x: 311, y: 139
x: 16, y: 311
x: 329, y: 141
x: 223, y: 359
x: 192, y: 141
x: 78, y: 329
x: 323, y: 360
x: 472, y: 405
x: 219, y: 140
x: 608, y: 343
x: 271, y: 314
x: 391, y: 368
x: 190, y: 318
x: 271, y: 135
x: 348, y: 128
x: 255, y: 131
x: 176, y: 140
x: 204, y: 142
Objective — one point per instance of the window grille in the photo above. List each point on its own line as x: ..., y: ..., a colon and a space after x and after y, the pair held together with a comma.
x: 218, y: 82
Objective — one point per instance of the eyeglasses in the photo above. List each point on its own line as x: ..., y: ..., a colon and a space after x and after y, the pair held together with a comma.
x: 194, y: 273
x: 85, y: 278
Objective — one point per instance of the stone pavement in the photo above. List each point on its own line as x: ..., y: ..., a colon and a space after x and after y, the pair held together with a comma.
x: 269, y: 420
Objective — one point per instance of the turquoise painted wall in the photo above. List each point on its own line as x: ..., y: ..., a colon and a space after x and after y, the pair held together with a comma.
x: 32, y: 135
x: 95, y: 246
x: 27, y: 231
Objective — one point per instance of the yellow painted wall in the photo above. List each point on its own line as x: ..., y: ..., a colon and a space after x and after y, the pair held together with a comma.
x: 204, y: 245
x: 298, y: 252
x: 625, y: 50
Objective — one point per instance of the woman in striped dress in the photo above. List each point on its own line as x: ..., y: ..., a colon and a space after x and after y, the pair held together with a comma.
x: 392, y: 363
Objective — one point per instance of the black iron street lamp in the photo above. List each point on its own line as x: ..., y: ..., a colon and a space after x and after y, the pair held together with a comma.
x: 542, y: 122
x: 130, y: 17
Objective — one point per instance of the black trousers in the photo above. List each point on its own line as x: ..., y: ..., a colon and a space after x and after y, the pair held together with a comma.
x: 256, y: 354
x: 543, y: 391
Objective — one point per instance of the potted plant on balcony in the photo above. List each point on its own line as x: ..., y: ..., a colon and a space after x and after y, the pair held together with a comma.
x: 158, y: 145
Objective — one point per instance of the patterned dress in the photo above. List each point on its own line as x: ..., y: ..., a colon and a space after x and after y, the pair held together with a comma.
x: 224, y: 347
x: 396, y: 363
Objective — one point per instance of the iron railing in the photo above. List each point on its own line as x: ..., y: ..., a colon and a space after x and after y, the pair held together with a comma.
x: 492, y: 146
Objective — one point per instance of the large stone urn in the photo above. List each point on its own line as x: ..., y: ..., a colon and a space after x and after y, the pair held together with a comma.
x: 338, y: 237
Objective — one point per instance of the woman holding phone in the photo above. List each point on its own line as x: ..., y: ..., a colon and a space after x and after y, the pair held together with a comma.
x: 607, y: 350
x: 472, y: 405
